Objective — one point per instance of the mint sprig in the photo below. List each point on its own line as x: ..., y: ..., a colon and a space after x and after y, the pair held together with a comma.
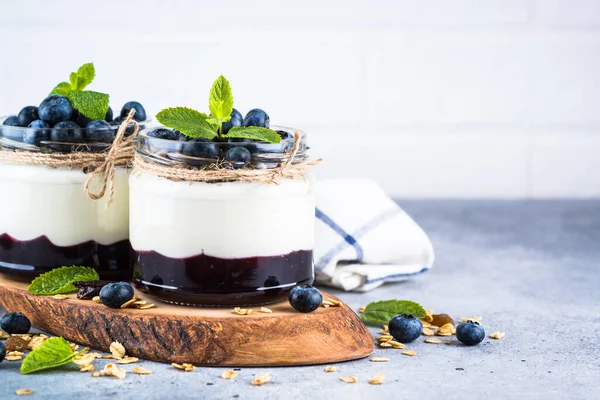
x: 52, y: 353
x: 381, y: 312
x: 60, y: 280
x: 220, y: 103
x: 195, y: 124
x: 91, y: 104
x: 191, y: 123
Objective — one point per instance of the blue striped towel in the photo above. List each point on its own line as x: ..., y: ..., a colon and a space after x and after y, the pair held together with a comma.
x: 364, y: 239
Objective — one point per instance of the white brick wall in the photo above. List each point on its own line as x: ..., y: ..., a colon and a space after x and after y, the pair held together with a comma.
x: 461, y: 98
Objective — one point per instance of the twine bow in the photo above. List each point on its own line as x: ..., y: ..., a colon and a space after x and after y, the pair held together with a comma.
x: 215, y: 173
x: 106, y: 169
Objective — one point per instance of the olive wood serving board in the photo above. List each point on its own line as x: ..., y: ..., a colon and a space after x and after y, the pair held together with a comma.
x: 199, y: 336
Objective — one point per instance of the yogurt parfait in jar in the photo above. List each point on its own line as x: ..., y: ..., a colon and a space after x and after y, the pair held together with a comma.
x: 221, y: 206
x: 52, y: 212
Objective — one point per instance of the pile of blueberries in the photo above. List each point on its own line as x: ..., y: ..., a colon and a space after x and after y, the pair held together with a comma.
x: 56, y: 120
x: 237, y: 153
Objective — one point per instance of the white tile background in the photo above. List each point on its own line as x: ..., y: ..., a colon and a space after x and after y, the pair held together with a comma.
x: 440, y: 98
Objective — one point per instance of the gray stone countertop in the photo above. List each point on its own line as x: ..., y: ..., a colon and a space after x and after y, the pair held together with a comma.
x: 530, y: 268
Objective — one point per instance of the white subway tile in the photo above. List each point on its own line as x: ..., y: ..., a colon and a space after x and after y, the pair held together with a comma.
x: 485, y: 78
x: 493, y: 164
x: 580, y: 14
x: 566, y: 165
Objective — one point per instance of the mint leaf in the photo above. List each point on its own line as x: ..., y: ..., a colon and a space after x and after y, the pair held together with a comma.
x: 52, y: 353
x: 190, y: 122
x: 383, y: 311
x: 63, y: 88
x: 60, y: 280
x: 83, y: 77
x: 220, y: 101
x: 255, y: 133
x: 93, y: 105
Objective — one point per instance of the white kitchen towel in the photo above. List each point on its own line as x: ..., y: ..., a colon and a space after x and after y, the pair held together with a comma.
x: 364, y: 239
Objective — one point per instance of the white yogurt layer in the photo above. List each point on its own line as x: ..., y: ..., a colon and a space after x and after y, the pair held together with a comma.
x: 39, y: 200
x: 225, y: 220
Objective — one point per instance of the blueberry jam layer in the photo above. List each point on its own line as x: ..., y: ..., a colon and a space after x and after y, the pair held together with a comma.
x: 26, y: 259
x: 212, y: 281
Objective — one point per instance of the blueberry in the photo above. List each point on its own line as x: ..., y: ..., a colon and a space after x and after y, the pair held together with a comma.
x: 405, y: 328
x: 99, y: 131
x: 201, y: 148
x: 164, y: 133
x: 55, y: 109
x: 237, y: 157
x: 140, y: 113
x: 80, y: 119
x: 181, y: 137
x: 15, y: 323
x: 257, y: 117
x: 109, y: 115
x: 470, y: 333
x: 305, y: 298
x: 236, y: 120
x: 11, y: 121
x: 115, y: 294
x: 66, y: 131
x: 27, y: 115
x: 35, y: 136
x: 285, y: 135
x: 2, y: 351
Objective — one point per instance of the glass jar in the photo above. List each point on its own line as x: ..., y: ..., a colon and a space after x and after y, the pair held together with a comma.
x: 224, y: 243
x: 48, y: 221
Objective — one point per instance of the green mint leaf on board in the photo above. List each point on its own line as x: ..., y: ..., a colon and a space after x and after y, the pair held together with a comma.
x: 52, y: 353
x: 190, y: 122
x: 83, y: 77
x: 63, y: 88
x: 381, y: 312
x: 220, y: 102
x: 60, y: 280
x: 93, y: 105
x: 255, y: 133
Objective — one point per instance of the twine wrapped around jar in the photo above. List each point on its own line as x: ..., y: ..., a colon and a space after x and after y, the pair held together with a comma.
x: 213, y: 173
x: 101, y: 165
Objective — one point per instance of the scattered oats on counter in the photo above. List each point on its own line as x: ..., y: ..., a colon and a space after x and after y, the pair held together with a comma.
x: 141, y: 371
x: 377, y: 380
x: 184, y: 367
x: 117, y: 350
x: 14, y: 356
x: 384, y: 338
x: 261, y: 379
x: 265, y: 310
x: 379, y: 359
x: 362, y: 309
x: 111, y: 369
x: 229, y: 374
x: 409, y: 353
x: 396, y: 345
x: 385, y: 345
x: 95, y: 374
x: 427, y: 332
x: 497, y: 335
x: 127, y: 360
x: 241, y: 311
x: 448, y: 342
x: 87, y: 368
x: 446, y: 330
x: 349, y: 379
x: 433, y: 340
x: 23, y: 392
x: 330, y: 368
